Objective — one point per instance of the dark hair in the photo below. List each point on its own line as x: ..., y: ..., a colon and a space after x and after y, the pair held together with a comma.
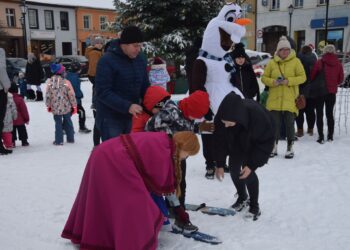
x: 306, y: 49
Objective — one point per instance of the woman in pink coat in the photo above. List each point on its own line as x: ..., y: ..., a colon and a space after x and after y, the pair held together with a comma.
x: 114, y: 208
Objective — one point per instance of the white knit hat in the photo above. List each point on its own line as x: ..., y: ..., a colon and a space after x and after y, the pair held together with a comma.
x: 283, y: 43
x: 329, y: 48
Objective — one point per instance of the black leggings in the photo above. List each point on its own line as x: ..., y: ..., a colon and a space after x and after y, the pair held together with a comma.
x: 208, y: 148
x: 251, y: 182
x: 329, y: 102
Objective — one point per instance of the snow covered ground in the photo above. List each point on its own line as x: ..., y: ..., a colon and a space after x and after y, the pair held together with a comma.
x: 305, y: 201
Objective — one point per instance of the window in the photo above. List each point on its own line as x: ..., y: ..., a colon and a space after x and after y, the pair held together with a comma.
x: 33, y: 18
x: 298, y: 3
x: 49, y: 25
x: 103, y: 22
x: 67, y: 49
x: 321, y: 2
x: 10, y: 17
x: 64, y: 20
x: 87, y: 22
x: 335, y: 37
x: 275, y: 4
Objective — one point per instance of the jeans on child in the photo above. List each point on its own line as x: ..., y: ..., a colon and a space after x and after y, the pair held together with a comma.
x: 63, y: 122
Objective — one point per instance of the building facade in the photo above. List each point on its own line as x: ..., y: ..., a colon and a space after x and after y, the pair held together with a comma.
x: 306, y: 21
x: 11, y: 29
x: 51, y: 29
x: 249, y: 11
x: 92, y: 22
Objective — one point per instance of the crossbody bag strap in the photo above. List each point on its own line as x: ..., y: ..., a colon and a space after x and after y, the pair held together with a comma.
x: 279, y: 67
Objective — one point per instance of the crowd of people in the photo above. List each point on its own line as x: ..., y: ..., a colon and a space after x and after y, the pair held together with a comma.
x: 140, y: 168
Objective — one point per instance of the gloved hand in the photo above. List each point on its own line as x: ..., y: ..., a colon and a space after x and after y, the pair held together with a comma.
x: 49, y: 109
x: 181, y: 214
x: 206, y: 126
x: 74, y: 110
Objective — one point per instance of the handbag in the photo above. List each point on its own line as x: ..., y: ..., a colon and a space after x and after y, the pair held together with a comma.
x: 318, y: 86
x: 300, y: 101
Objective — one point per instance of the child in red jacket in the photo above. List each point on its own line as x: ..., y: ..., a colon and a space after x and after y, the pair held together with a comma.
x: 22, y: 118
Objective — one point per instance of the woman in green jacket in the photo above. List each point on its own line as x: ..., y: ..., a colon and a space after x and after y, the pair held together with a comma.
x: 282, y: 75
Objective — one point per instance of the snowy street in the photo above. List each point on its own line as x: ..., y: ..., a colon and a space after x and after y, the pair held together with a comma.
x: 304, y: 201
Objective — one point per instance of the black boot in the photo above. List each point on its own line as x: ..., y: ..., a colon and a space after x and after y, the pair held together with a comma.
x: 4, y: 151
x: 320, y: 139
x: 39, y: 96
x: 30, y: 94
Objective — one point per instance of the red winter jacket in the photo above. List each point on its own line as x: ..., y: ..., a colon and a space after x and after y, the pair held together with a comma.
x: 334, y: 73
x: 22, y: 111
x: 153, y: 95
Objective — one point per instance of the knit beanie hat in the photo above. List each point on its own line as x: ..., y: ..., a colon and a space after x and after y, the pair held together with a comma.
x: 238, y: 51
x: 283, y: 43
x: 97, y: 40
x: 131, y: 34
x: 57, y: 68
x: 329, y: 48
x: 196, y: 105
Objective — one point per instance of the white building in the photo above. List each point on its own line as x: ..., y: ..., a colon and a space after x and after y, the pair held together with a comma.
x: 51, y: 29
x: 307, y: 23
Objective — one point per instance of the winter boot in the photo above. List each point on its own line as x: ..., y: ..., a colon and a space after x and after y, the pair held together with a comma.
x: 240, y: 204
x: 310, y: 131
x: 39, y: 96
x: 300, y: 132
x: 84, y: 130
x: 25, y: 143
x: 184, y: 227
x: 329, y: 137
x: 30, y: 94
x: 320, y: 139
x: 290, y: 151
x: 253, y: 213
x: 210, y: 173
x: 274, y: 151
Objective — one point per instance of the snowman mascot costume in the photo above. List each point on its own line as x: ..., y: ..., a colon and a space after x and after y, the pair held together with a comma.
x: 213, y: 67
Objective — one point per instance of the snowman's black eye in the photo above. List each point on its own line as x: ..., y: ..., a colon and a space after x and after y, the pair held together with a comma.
x: 230, y: 19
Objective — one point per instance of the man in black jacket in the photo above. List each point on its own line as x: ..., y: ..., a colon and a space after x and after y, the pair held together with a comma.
x: 244, y: 130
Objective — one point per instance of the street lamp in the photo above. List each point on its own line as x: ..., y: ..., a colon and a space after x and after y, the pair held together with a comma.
x: 24, y: 8
x: 290, y: 11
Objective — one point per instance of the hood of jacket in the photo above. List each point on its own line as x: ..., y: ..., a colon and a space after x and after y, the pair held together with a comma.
x: 291, y: 56
x: 330, y: 59
x: 2, y: 58
x: 153, y: 95
x: 307, y: 59
x: 233, y: 109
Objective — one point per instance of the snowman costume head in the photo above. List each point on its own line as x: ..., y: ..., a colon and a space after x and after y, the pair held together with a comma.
x: 224, y: 30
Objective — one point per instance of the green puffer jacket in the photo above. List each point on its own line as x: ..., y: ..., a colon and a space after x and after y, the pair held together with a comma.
x: 282, y: 97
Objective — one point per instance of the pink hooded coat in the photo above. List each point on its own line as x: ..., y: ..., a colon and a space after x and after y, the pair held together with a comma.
x: 114, y: 208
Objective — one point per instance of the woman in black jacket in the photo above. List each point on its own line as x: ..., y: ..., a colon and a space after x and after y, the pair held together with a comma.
x: 245, y: 131
x: 244, y: 77
x: 34, y: 76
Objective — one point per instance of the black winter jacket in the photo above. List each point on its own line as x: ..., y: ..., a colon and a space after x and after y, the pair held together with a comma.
x: 34, y: 73
x: 251, y: 139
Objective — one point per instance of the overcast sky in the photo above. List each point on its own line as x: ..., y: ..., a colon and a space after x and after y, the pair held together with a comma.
x: 106, y: 4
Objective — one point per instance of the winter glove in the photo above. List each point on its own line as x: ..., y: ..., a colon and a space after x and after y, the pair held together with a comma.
x: 206, y: 126
x: 49, y: 109
x: 74, y: 110
x: 181, y: 214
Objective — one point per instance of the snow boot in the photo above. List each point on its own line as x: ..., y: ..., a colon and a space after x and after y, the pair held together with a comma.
x: 240, y: 204
x: 274, y: 151
x: 39, y: 96
x: 310, y: 131
x: 30, y: 94
x: 84, y: 130
x: 300, y: 132
x: 253, y: 213
x: 25, y: 143
x: 290, y: 152
x: 210, y: 173
x: 185, y: 228
x: 320, y: 139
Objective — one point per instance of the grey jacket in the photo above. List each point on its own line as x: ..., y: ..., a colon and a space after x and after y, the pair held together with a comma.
x: 4, y: 79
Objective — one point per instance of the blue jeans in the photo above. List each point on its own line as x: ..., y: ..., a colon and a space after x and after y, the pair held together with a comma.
x: 110, y: 128
x: 63, y: 122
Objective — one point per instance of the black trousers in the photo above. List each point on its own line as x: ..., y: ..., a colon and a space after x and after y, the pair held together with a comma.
x: 183, y: 183
x: 309, y: 112
x: 3, y: 104
x: 22, y: 133
x: 82, y: 116
x: 327, y: 101
x: 251, y: 182
x: 208, y: 150
x: 96, y: 133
